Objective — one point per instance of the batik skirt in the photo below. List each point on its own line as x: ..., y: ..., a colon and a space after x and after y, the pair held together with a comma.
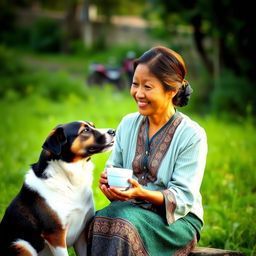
x: 125, y: 229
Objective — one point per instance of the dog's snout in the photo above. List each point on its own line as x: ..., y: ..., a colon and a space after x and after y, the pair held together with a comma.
x: 111, y: 132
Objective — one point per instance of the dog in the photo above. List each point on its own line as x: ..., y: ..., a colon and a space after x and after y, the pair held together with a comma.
x: 55, y: 204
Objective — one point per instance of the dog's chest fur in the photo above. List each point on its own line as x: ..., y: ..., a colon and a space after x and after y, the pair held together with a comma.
x: 67, y: 191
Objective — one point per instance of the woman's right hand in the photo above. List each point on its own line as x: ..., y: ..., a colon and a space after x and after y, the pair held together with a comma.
x: 103, y: 185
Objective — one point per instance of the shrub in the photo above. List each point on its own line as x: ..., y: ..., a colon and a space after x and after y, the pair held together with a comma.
x: 9, y: 65
x: 7, y: 20
x: 46, y: 36
x: 18, y: 81
x: 10, y: 71
x: 233, y: 95
x: 56, y: 86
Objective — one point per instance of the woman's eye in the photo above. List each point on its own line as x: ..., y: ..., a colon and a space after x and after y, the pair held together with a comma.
x: 147, y: 86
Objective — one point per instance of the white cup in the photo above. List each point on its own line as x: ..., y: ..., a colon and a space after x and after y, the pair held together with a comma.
x: 118, y: 177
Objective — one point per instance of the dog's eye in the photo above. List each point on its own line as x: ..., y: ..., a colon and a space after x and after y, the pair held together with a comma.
x: 86, y: 129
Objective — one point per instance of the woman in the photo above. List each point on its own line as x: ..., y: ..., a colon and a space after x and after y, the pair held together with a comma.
x: 161, y: 214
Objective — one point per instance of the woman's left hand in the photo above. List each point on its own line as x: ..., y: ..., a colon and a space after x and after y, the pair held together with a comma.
x: 135, y: 191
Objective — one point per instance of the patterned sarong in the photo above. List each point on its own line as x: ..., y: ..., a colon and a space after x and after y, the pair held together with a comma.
x: 125, y: 229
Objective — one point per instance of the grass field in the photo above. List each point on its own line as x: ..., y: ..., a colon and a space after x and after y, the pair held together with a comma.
x: 229, y: 185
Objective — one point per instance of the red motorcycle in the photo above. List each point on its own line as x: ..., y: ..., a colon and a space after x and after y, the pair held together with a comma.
x: 101, y: 74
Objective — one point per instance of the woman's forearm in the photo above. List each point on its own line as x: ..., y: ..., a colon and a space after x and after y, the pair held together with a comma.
x: 154, y: 197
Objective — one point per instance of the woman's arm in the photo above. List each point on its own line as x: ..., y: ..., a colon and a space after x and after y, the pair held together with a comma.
x: 136, y: 191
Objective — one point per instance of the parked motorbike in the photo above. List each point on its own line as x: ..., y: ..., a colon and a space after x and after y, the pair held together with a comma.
x: 101, y: 74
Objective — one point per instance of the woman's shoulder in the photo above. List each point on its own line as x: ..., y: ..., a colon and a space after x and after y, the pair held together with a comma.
x: 191, y: 127
x: 131, y: 119
x: 129, y: 123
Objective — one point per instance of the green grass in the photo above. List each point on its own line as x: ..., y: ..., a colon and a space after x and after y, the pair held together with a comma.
x: 229, y: 185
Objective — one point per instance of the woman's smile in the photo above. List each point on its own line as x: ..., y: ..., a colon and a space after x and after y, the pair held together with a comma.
x: 142, y: 104
x: 149, y: 94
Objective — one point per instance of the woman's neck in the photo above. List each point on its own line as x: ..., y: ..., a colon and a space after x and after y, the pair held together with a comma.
x: 160, y: 120
x: 156, y: 122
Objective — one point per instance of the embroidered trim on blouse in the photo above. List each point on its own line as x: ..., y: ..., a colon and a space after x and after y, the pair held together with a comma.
x: 170, y: 205
x: 148, y: 160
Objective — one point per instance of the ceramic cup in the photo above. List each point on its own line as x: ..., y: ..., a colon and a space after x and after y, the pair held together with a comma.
x: 118, y: 177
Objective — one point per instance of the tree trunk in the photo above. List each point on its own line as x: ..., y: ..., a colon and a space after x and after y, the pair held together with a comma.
x: 198, y: 38
x: 72, y: 30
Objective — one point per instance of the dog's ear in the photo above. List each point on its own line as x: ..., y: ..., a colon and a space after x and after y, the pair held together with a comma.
x: 55, y: 141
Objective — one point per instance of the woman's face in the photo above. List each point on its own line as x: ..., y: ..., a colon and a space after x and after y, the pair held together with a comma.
x: 149, y: 93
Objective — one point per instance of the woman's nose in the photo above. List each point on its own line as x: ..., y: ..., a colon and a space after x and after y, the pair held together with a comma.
x: 139, y: 93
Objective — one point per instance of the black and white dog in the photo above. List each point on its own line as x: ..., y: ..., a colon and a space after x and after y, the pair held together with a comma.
x: 55, y: 203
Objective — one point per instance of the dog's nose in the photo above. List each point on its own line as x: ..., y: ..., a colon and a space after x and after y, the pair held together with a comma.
x: 111, y: 132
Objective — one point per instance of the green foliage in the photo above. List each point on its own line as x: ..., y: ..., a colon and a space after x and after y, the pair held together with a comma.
x: 55, y: 87
x: 228, y: 188
x: 11, y: 69
x: 46, y: 35
x: 9, y: 65
x: 18, y: 82
x: 233, y: 95
x: 222, y: 32
x: 7, y: 19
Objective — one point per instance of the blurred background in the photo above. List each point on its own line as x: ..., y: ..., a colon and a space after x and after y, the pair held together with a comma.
x: 69, y: 60
x: 216, y: 39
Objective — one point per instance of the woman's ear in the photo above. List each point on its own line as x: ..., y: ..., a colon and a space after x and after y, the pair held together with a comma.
x: 173, y: 93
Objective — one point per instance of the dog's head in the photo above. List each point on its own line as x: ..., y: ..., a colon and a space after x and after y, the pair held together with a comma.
x: 75, y: 141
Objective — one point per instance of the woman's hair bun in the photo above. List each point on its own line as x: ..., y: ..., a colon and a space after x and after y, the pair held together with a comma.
x: 181, y: 99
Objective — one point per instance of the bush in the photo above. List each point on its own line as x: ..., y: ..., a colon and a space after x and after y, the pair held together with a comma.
x: 18, y: 81
x: 7, y: 20
x: 46, y: 36
x: 54, y: 87
x: 9, y: 65
x: 234, y: 95
x: 11, y: 69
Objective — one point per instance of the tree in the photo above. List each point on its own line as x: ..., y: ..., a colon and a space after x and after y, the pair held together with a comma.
x: 230, y: 23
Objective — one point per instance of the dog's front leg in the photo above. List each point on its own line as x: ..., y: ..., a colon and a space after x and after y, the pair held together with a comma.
x: 59, y: 251
x: 50, y: 251
x: 80, y: 245
x: 57, y: 242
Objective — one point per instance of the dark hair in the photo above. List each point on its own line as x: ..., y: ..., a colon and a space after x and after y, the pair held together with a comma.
x: 169, y: 67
